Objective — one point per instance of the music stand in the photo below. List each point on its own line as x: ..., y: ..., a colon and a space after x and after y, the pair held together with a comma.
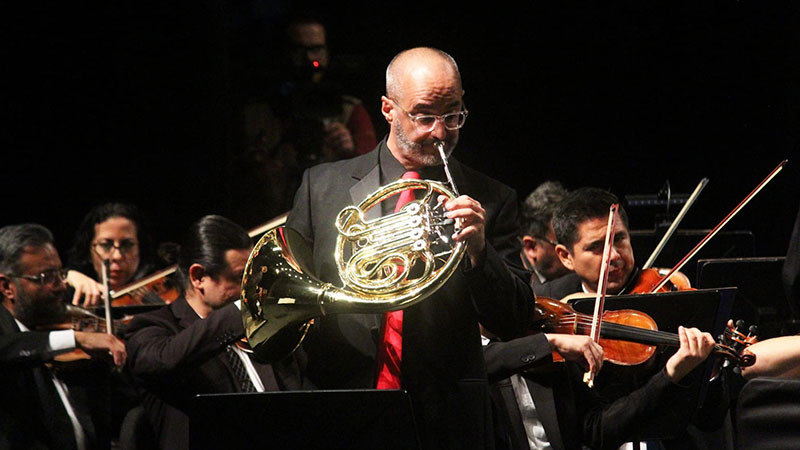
x: 342, y: 419
x: 707, y: 310
x: 761, y: 299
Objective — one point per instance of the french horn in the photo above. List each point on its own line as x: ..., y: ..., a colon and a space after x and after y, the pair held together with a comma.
x: 385, y: 264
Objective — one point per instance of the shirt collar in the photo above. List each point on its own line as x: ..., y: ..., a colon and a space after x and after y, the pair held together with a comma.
x: 21, y: 325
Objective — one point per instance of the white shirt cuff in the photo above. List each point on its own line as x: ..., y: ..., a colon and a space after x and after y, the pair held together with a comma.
x: 62, y: 341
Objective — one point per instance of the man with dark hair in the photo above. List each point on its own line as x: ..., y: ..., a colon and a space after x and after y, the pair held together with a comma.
x: 41, y: 407
x: 189, y: 347
x: 441, y: 363
x: 537, y: 235
x: 580, y: 223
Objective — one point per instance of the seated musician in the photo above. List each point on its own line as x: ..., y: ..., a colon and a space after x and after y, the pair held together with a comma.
x: 537, y: 235
x: 546, y: 405
x: 580, y: 223
x: 189, y: 346
x: 41, y: 405
x: 114, y: 231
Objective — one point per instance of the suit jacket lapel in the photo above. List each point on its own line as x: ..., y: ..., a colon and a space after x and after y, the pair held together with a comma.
x: 216, y: 366
x: 548, y: 413
x: 184, y: 313
x: 366, y: 186
x: 79, y: 399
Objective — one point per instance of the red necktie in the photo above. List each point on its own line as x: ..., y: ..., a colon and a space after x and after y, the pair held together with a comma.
x: 390, y: 349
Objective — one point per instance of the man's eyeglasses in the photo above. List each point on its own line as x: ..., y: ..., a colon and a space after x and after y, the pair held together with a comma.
x: 427, y: 122
x: 544, y: 239
x: 47, y: 277
x: 104, y: 248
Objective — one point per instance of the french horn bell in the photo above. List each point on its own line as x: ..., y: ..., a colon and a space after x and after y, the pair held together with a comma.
x: 384, y: 264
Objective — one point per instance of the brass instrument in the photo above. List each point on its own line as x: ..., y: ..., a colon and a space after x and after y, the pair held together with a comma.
x: 385, y: 264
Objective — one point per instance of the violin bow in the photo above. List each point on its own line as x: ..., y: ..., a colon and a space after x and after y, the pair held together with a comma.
x: 674, y: 226
x: 600, y: 297
x: 719, y: 226
x: 106, y: 267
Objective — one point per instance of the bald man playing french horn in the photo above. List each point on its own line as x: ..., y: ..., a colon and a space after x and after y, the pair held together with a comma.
x: 440, y: 362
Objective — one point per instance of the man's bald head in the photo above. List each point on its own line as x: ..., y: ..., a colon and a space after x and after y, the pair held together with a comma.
x: 418, y: 62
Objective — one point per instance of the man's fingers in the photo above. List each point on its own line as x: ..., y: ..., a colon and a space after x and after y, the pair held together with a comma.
x: 682, y: 337
x: 119, y: 357
x: 698, y: 342
x: 594, y: 353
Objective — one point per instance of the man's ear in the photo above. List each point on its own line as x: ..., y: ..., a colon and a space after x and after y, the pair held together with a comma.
x: 386, y: 108
x: 528, y: 242
x: 528, y: 246
x: 565, y: 257
x: 196, y: 274
x: 7, y: 290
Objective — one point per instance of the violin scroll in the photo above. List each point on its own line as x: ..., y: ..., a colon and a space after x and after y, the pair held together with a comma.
x: 733, y: 344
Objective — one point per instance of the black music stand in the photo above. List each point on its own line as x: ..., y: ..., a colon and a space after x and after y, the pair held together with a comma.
x: 707, y: 309
x: 345, y: 419
x: 761, y: 299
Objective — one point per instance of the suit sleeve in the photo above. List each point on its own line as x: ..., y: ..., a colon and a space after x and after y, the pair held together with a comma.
x: 300, y: 217
x: 29, y: 348
x: 23, y: 348
x: 504, y: 359
x: 155, y: 348
x: 500, y: 290
x: 658, y: 405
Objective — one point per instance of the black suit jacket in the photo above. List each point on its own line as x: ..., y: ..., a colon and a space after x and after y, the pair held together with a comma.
x: 571, y: 413
x: 32, y: 416
x: 176, y: 355
x: 442, y: 364
x: 560, y: 287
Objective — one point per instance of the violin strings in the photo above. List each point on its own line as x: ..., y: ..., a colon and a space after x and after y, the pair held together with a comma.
x: 625, y: 330
x: 653, y: 337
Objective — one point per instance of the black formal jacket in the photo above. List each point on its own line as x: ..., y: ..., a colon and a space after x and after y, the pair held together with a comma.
x: 175, y: 355
x: 32, y: 416
x: 442, y: 365
x: 571, y: 413
x: 559, y: 288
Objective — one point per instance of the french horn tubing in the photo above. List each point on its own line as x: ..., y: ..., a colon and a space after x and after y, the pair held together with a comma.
x: 384, y: 264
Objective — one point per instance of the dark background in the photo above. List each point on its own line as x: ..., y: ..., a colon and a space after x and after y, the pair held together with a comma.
x: 139, y: 102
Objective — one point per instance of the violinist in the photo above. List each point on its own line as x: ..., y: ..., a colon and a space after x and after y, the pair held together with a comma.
x: 546, y: 405
x: 117, y: 232
x: 189, y: 346
x: 43, y: 405
x: 580, y: 223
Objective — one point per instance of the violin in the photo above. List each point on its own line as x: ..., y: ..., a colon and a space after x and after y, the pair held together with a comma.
x: 158, y: 284
x: 668, y: 276
x: 629, y: 337
x: 647, y: 279
x: 79, y: 319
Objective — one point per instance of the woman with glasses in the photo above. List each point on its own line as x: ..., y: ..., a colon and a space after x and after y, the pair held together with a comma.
x: 113, y: 232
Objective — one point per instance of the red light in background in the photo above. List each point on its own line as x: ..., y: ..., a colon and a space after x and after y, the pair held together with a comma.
x: 315, y: 64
